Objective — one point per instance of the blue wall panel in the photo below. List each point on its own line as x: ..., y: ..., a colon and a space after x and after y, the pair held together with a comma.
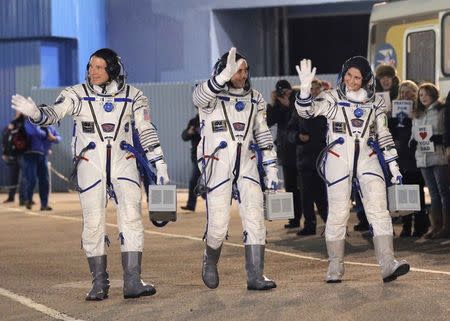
x: 90, y: 29
x: 25, y: 18
x: 19, y: 72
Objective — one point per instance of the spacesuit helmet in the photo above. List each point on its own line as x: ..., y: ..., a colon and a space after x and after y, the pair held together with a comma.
x: 222, y: 63
x: 114, y: 66
x: 368, y: 78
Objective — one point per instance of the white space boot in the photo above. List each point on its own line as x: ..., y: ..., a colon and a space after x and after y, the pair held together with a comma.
x: 384, y: 251
x: 336, y: 269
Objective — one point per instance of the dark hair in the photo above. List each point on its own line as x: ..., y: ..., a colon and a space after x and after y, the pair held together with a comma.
x: 368, y: 82
x: 432, y: 91
x: 113, y: 63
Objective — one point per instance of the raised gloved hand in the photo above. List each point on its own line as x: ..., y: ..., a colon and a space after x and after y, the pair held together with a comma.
x: 395, y: 171
x: 231, y: 68
x: 306, y: 76
x: 162, y: 177
x: 25, y: 106
x: 272, y: 177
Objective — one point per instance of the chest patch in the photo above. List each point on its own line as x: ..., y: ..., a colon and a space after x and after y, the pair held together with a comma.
x: 239, y: 126
x: 219, y: 126
x: 356, y: 122
x: 108, y: 127
x: 88, y: 127
x: 339, y: 127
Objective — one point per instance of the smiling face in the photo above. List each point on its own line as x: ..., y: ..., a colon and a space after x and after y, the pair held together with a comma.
x: 97, y: 71
x: 353, y: 79
x: 240, y: 77
x: 386, y: 83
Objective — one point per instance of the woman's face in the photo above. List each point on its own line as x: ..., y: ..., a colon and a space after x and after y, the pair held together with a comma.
x: 425, y: 98
x: 407, y: 93
x: 386, y: 83
x: 353, y: 79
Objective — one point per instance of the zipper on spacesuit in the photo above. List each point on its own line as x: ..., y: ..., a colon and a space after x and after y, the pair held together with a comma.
x: 109, y: 186
x: 237, y: 166
x: 355, y: 181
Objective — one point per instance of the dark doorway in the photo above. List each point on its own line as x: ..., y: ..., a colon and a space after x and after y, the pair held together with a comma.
x: 327, y: 41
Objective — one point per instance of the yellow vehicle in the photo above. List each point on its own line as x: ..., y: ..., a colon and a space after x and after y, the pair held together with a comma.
x: 414, y: 36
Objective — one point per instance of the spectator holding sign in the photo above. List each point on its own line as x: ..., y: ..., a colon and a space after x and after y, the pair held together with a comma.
x: 400, y: 126
x: 387, y: 83
x: 428, y: 129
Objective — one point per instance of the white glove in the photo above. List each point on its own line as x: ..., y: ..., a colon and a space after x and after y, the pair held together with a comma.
x: 25, y: 106
x: 306, y: 75
x: 395, y: 171
x: 231, y: 68
x: 272, y: 177
x: 162, y: 177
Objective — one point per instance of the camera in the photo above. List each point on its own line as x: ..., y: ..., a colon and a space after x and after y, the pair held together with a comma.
x: 280, y: 92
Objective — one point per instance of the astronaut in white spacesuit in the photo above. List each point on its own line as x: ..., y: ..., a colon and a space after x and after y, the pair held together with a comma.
x: 103, y: 109
x: 357, y: 130
x: 235, y: 143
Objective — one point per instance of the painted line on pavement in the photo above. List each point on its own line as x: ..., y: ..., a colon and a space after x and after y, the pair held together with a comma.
x: 193, y: 238
x: 37, y: 306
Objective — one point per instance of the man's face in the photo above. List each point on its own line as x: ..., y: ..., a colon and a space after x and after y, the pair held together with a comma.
x: 315, y: 90
x: 240, y: 77
x: 353, y: 79
x: 386, y: 83
x: 97, y: 71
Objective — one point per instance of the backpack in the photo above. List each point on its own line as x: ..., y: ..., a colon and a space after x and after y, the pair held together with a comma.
x: 14, y: 141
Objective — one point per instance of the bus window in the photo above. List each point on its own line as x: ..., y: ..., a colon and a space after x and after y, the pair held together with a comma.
x: 446, y: 44
x: 421, y: 56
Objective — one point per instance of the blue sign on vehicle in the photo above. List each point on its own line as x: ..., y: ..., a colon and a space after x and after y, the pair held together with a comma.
x: 385, y: 54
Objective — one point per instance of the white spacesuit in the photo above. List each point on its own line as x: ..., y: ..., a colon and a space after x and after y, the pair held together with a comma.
x: 102, y: 116
x: 357, y: 127
x: 234, y: 132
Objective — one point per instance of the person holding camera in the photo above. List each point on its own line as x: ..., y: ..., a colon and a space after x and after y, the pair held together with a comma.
x: 279, y: 113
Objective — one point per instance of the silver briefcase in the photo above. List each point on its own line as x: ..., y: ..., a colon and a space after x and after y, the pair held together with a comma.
x: 278, y: 206
x: 162, y: 203
x: 403, y: 199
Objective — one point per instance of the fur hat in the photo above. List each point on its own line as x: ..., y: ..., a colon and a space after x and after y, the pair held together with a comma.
x: 385, y: 71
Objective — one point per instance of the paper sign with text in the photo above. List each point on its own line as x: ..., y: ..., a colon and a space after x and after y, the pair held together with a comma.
x: 422, y: 135
x: 402, y: 106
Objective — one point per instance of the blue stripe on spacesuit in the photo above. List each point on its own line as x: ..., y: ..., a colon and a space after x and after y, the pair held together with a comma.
x: 252, y: 179
x: 123, y: 100
x: 373, y: 174
x: 272, y: 161
x: 337, y: 181
x: 221, y: 183
x: 90, y: 187
x: 116, y: 100
x: 128, y: 179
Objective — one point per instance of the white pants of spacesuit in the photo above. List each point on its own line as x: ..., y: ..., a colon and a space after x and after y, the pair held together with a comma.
x: 129, y: 219
x: 250, y: 209
x: 373, y: 196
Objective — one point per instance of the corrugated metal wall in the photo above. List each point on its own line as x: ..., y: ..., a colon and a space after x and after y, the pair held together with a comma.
x: 171, y: 109
x: 25, y: 18
x: 19, y: 72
